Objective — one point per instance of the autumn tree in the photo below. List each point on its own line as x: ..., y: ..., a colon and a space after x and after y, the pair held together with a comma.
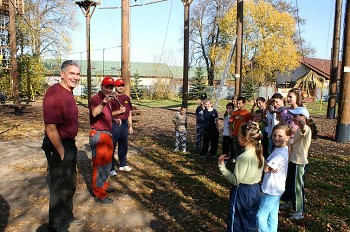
x: 45, y: 27
x: 213, y: 29
x: 205, y: 32
x: 268, y: 45
x: 44, y: 30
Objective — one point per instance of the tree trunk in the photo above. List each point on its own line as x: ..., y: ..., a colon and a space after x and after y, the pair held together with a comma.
x: 210, y: 71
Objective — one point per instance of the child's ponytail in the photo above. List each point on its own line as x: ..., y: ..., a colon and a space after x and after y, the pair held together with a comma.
x: 252, y: 132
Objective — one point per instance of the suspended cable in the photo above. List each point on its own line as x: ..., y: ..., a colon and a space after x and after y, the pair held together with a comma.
x: 329, y: 25
x: 166, y: 35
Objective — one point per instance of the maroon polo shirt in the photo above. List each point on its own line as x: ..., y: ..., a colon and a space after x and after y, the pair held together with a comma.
x: 123, y: 100
x: 103, y: 121
x: 60, y: 108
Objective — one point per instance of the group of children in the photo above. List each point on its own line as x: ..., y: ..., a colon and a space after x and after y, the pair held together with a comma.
x: 268, y: 143
x: 275, y: 144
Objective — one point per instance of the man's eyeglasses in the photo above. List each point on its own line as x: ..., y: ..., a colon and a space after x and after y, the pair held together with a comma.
x: 121, y: 86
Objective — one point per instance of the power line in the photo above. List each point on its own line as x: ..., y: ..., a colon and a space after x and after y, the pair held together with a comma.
x: 143, y: 4
x: 329, y: 25
x: 100, y: 49
x: 299, y: 32
x: 166, y: 32
x: 14, y: 6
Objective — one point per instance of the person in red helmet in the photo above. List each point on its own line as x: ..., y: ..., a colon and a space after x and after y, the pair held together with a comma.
x: 122, y: 126
x: 101, y: 140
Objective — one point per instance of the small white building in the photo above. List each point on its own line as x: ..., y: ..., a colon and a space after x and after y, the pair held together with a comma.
x: 312, y: 77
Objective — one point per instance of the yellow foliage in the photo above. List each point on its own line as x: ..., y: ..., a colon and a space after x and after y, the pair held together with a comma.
x: 268, y: 44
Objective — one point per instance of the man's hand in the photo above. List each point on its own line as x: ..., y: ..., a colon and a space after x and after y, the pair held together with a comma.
x: 118, y: 121
x: 122, y: 109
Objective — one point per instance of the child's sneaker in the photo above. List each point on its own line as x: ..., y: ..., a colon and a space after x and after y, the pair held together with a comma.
x: 297, y: 216
x: 184, y: 150
x: 176, y: 150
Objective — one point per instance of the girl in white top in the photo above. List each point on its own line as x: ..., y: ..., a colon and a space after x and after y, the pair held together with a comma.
x: 273, y: 184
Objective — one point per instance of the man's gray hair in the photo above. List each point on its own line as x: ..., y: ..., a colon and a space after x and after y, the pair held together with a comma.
x: 67, y: 63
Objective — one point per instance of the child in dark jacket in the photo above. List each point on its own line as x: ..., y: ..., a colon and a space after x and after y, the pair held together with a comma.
x: 210, y: 130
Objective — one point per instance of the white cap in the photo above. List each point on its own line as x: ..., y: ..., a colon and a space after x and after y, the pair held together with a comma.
x: 300, y: 110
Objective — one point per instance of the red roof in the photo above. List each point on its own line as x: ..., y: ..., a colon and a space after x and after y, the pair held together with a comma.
x: 320, y: 66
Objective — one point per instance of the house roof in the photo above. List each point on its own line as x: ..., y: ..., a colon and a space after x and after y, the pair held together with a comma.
x: 320, y: 66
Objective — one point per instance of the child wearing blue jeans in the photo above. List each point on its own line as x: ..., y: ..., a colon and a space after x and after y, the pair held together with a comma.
x: 274, y: 181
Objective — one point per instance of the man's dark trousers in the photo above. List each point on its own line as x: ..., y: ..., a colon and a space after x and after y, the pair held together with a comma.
x: 120, y: 135
x: 63, y: 179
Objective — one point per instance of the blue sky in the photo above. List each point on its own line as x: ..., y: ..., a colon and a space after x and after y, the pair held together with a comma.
x: 157, y: 30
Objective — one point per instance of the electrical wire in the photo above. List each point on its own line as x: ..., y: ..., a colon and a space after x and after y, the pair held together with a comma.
x: 165, y: 38
x: 299, y: 31
x: 14, y: 6
x: 329, y: 25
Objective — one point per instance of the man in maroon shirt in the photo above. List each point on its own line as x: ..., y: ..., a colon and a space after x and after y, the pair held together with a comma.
x: 61, y: 127
x: 101, y: 140
x: 122, y: 126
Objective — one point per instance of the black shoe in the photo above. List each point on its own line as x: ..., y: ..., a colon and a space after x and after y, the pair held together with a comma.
x: 105, y: 200
x: 110, y: 190
x: 77, y: 222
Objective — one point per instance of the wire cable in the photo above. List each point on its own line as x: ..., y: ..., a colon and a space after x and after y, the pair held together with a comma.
x: 165, y: 37
x: 329, y: 25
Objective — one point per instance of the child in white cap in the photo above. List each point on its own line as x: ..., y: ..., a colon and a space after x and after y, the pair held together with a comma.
x: 298, y: 159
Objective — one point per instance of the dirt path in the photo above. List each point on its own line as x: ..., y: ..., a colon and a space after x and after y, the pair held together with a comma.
x: 24, y: 194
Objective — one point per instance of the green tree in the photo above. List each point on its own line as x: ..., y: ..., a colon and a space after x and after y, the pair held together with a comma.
x: 198, y: 87
x: 249, y: 89
x: 32, y: 74
x: 136, y: 87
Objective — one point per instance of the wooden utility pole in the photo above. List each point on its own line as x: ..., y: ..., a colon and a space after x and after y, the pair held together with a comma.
x: 126, y: 45
x: 343, y: 123
x: 187, y: 4
x: 88, y: 8
x: 239, y: 48
x: 332, y: 100
x: 13, y: 48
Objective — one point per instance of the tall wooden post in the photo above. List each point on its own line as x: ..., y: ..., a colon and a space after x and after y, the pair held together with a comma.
x: 88, y: 6
x: 343, y: 123
x: 239, y: 48
x: 332, y: 100
x: 126, y: 45
x: 13, y: 48
x: 88, y: 54
x: 187, y: 4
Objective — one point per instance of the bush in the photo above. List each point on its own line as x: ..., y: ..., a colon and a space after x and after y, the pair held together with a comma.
x: 162, y: 90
